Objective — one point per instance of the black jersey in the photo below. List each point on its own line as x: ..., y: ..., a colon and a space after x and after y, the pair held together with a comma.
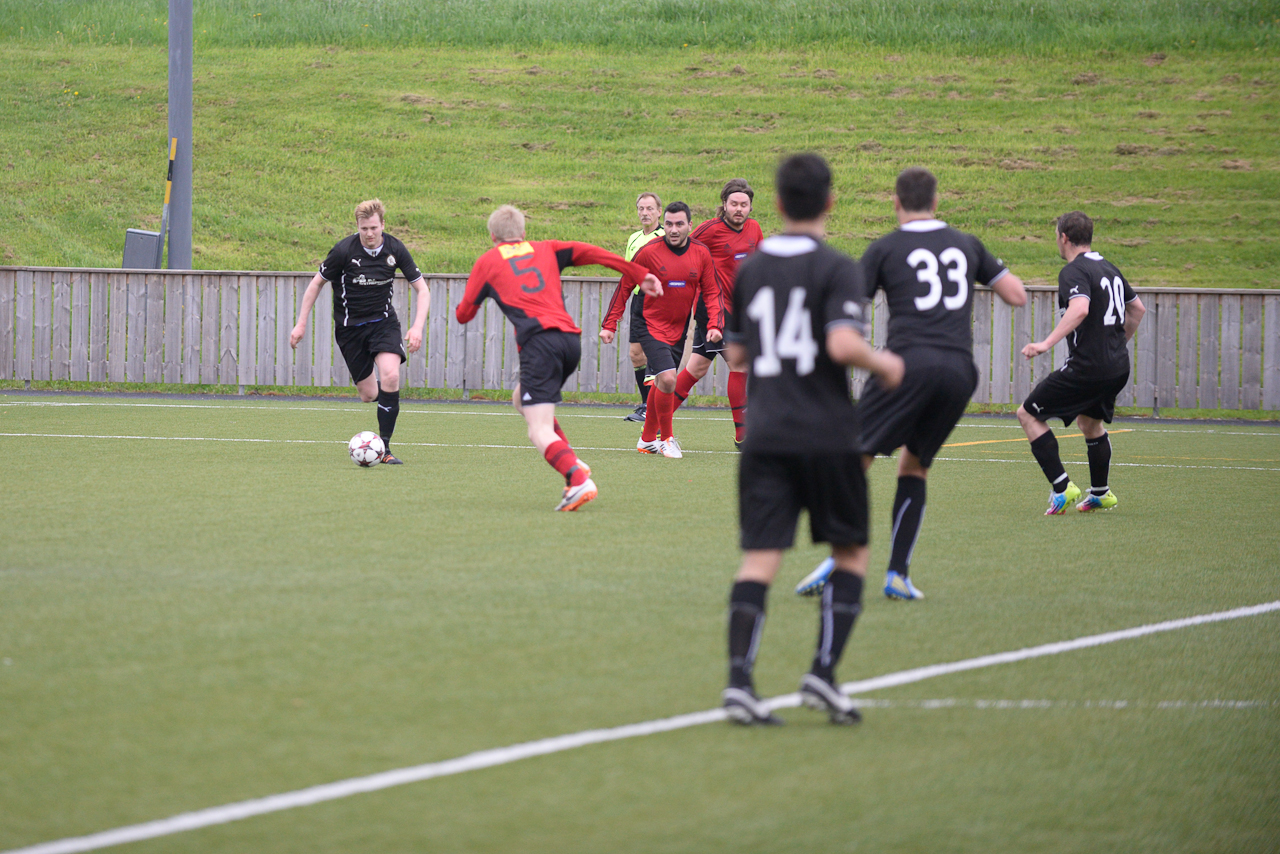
x: 787, y: 295
x: 362, y: 282
x: 927, y: 271
x: 1096, y: 348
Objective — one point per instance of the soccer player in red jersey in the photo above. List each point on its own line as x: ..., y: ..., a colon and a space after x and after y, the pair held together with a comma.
x: 731, y: 236
x: 686, y: 271
x: 523, y: 278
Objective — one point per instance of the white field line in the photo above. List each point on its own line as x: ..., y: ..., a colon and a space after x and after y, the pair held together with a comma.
x: 1116, y: 705
x: 557, y: 744
x: 418, y: 408
x: 578, y: 448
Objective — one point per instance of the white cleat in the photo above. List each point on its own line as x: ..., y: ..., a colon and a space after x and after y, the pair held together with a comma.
x: 671, y: 449
x: 654, y: 447
x: 575, y: 496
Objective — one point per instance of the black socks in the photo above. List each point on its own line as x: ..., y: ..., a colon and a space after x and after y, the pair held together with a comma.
x: 908, y: 515
x: 1099, y: 463
x: 641, y: 373
x: 1045, y: 450
x: 838, y: 610
x: 388, y: 409
x: 746, y: 621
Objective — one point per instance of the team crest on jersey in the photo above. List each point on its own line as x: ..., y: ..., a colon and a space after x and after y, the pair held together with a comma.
x: 391, y: 260
x: 852, y: 309
x: 512, y: 250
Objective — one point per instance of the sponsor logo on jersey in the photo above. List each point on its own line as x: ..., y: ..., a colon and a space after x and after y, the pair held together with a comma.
x: 740, y: 256
x: 675, y: 284
x: 513, y: 250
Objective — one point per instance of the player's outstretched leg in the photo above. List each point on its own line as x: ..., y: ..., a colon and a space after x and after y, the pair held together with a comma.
x: 1045, y: 449
x: 746, y: 622
x: 1100, y: 496
x: 908, y: 516
x: 839, y: 608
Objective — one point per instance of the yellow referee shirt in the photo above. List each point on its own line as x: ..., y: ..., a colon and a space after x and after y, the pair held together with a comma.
x: 640, y: 239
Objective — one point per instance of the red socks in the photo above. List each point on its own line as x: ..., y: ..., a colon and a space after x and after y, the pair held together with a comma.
x: 738, y: 402
x: 685, y: 382
x: 562, y: 458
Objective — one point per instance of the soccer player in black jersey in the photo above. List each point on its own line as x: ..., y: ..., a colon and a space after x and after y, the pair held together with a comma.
x: 361, y: 269
x: 797, y: 322
x: 927, y: 271
x: 1100, y: 314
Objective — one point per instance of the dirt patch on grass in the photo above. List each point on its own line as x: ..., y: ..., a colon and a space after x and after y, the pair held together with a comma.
x: 1130, y: 149
x: 869, y: 145
x: 1211, y: 113
x: 1131, y: 241
x: 1086, y: 78
x: 1154, y: 59
x: 1019, y: 165
x: 1148, y: 114
x: 1237, y: 165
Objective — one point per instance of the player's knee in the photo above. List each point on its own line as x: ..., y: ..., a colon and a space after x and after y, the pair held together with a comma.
x: 666, y: 382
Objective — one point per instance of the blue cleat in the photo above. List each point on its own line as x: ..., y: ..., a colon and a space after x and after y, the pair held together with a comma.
x: 812, y: 584
x: 1098, y: 502
x: 900, y: 587
x: 1058, y: 501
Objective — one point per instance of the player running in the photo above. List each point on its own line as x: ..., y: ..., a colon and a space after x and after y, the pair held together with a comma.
x: 686, y: 270
x: 798, y: 320
x: 523, y: 278
x: 362, y: 268
x: 927, y: 271
x: 731, y: 236
x: 648, y: 209
x: 1100, y: 314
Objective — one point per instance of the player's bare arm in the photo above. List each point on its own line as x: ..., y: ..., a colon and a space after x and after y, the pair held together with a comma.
x: 1133, y: 312
x: 846, y: 347
x: 1010, y: 289
x: 308, y: 300
x: 414, y: 336
x: 1077, y: 311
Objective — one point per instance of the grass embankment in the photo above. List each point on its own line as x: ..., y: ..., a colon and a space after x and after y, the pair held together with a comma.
x: 1174, y: 156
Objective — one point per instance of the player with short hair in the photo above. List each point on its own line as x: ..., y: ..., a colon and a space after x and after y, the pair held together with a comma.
x: 927, y: 271
x: 362, y: 268
x: 686, y: 270
x: 648, y: 208
x: 731, y: 235
x: 1100, y: 313
x: 523, y: 278
x: 798, y: 319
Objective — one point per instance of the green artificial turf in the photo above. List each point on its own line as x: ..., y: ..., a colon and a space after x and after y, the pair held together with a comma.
x: 190, y: 623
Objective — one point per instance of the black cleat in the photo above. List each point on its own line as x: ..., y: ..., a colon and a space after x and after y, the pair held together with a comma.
x: 389, y: 460
x: 744, y: 707
x: 637, y: 416
x: 818, y: 693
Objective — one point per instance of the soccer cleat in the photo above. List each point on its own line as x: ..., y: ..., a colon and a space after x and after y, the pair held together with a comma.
x: 744, y: 707
x: 1058, y: 501
x: 818, y: 693
x: 897, y: 586
x: 389, y: 460
x: 812, y: 584
x: 575, y: 496
x: 1098, y: 502
x: 671, y: 449
x: 578, y: 465
x: 654, y: 447
x: 637, y: 416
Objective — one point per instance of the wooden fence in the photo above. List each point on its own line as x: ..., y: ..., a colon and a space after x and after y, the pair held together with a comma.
x: 1195, y: 348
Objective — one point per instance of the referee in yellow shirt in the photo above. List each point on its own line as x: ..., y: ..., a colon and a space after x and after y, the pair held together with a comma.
x: 648, y: 208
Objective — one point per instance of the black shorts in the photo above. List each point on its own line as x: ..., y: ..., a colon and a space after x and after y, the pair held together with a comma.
x: 636, y: 307
x: 660, y: 355
x: 547, y: 359
x: 773, y: 488
x: 360, y: 344
x: 1066, y: 395
x: 703, y: 347
x: 922, y: 411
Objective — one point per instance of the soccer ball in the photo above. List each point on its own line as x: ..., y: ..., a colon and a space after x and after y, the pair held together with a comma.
x: 366, y: 448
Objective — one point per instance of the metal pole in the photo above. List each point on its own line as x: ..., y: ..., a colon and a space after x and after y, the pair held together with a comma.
x: 181, y: 48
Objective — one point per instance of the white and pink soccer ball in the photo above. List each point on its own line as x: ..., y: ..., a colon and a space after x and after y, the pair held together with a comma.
x: 367, y: 448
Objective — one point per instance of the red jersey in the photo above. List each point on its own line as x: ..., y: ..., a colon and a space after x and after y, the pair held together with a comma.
x: 728, y: 248
x: 523, y: 278
x: 686, y: 274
